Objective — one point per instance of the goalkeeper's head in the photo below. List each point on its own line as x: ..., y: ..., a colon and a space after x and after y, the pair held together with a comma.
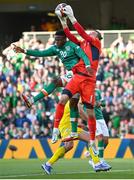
x: 96, y: 33
x: 60, y: 38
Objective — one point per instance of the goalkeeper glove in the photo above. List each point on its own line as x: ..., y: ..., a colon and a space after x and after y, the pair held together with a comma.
x: 69, y: 12
x: 62, y: 19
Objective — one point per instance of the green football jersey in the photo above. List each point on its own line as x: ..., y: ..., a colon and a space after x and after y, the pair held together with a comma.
x: 69, y: 54
x: 98, y: 111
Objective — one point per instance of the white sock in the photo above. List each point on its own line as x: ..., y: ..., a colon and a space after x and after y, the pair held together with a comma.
x: 48, y: 164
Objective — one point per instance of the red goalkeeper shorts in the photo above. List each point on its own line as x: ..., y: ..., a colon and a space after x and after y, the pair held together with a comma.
x: 83, y: 85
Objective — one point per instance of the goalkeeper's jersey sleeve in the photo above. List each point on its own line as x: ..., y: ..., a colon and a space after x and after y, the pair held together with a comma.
x: 98, y: 111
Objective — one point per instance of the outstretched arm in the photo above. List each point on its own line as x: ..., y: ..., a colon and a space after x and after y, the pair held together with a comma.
x: 36, y: 53
x: 69, y: 12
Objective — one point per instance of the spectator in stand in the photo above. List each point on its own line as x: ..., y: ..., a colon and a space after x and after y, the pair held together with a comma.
x: 116, y: 70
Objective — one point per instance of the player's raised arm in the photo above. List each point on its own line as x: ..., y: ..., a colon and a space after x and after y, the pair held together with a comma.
x: 69, y: 12
x: 92, y: 38
x: 63, y: 21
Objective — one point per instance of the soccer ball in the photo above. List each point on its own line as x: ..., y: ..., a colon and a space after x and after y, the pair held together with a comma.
x: 86, y: 154
x: 60, y: 8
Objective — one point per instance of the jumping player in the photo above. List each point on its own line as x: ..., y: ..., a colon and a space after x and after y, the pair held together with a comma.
x: 82, y: 82
x: 70, y: 55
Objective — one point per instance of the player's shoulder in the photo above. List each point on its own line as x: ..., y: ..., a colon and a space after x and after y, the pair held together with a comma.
x: 95, y: 42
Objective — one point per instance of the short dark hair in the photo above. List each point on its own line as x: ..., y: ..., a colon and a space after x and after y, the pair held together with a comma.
x: 99, y: 35
x: 60, y: 33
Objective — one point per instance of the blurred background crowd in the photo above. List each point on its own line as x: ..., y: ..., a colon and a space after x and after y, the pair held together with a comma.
x: 20, y: 73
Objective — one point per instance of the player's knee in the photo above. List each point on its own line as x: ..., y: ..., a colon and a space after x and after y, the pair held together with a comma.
x: 64, y: 98
x: 68, y: 146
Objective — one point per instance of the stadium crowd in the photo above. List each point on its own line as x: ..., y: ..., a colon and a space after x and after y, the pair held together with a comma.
x: 20, y: 73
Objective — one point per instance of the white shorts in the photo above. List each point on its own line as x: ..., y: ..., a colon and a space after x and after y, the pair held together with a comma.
x: 66, y: 77
x: 101, y: 128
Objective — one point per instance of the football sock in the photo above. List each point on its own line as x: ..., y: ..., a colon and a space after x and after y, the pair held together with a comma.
x: 74, y: 114
x: 58, y: 115
x: 94, y: 156
x: 58, y: 154
x: 46, y: 91
x: 92, y: 128
x: 101, y: 148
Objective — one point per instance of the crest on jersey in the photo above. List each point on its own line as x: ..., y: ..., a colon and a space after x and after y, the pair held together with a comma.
x: 67, y: 48
x: 57, y: 50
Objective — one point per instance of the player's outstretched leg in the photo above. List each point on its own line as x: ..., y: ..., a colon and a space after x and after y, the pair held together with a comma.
x: 57, y: 82
x: 47, y: 167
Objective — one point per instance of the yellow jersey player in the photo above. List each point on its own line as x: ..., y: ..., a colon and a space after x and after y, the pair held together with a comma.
x: 65, y: 130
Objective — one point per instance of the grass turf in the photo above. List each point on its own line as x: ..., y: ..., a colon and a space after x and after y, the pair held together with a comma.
x: 64, y: 169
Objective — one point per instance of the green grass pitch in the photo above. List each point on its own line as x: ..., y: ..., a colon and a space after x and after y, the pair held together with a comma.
x: 65, y: 169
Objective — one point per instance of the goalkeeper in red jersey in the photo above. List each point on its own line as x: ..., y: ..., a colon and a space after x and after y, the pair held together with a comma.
x: 82, y: 82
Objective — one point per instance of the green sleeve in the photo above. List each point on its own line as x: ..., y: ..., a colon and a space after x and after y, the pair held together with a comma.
x: 48, y: 52
x: 82, y: 55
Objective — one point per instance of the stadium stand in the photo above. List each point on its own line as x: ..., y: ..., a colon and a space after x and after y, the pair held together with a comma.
x: 19, y: 73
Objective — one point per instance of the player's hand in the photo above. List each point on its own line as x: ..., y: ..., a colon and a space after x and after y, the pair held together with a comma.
x: 58, y: 13
x: 62, y: 19
x: 90, y: 71
x: 68, y: 11
x: 18, y: 49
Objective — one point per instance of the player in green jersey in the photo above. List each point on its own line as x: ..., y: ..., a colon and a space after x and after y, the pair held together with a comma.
x: 70, y: 54
x: 67, y: 52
